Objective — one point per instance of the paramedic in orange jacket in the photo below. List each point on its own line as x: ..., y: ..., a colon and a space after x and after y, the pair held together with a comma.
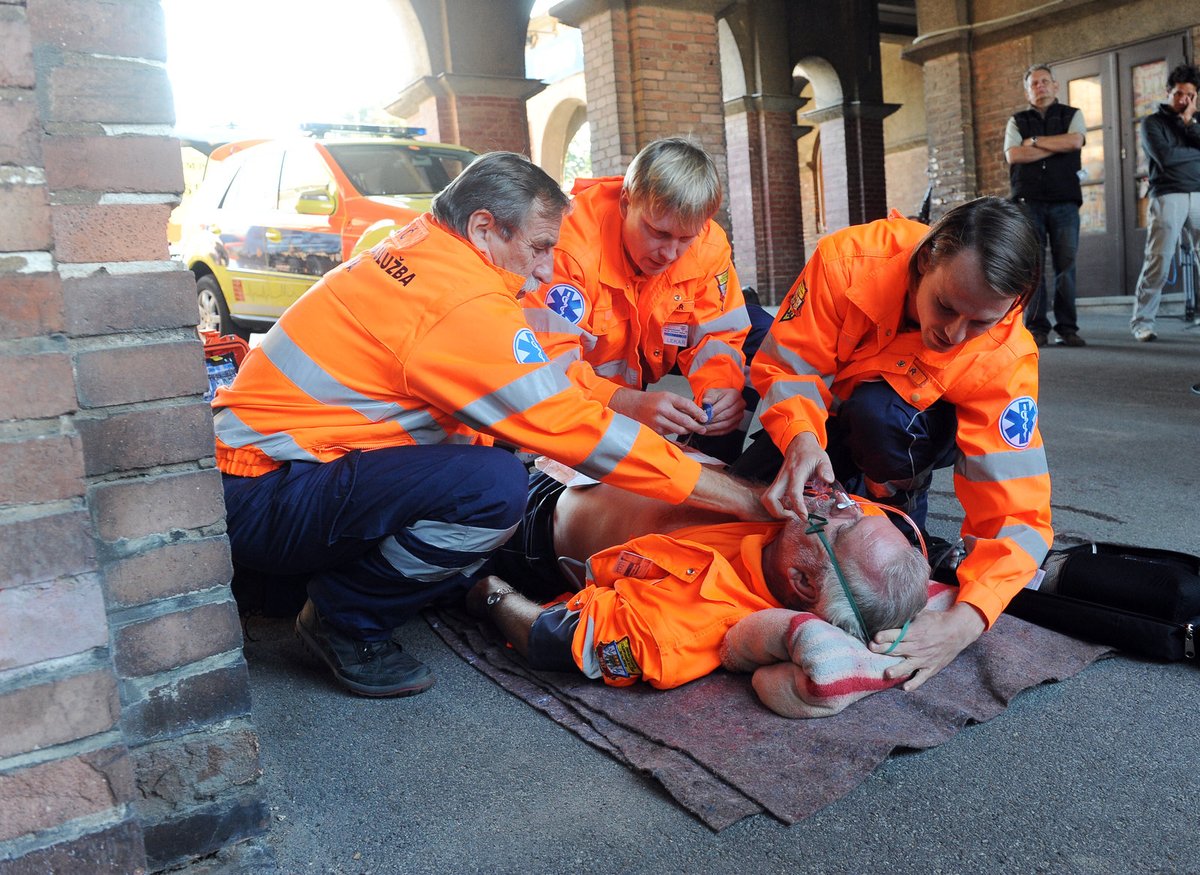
x: 644, y: 283
x: 657, y: 607
x: 901, y: 349
x: 355, y: 441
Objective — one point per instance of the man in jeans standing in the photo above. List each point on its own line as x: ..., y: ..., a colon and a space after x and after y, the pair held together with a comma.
x: 1042, y: 146
x: 1171, y: 140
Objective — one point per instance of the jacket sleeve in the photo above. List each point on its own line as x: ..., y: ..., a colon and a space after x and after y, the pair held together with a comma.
x: 714, y: 357
x: 567, y: 342
x: 795, y: 367
x: 1003, y: 482
x: 482, y: 364
x: 1164, y: 149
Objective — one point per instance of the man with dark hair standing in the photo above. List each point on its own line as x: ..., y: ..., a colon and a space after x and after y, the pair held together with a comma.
x: 1042, y: 147
x: 1171, y: 140
x: 355, y: 442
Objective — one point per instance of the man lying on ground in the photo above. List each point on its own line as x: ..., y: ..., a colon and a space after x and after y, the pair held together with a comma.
x: 663, y: 584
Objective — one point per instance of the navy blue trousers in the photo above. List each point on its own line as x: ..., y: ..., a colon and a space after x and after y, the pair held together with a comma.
x: 881, y: 447
x: 380, y: 534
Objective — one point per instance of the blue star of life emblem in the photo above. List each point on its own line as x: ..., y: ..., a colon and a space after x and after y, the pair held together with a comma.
x: 1018, y: 421
x: 567, y: 302
x: 526, y: 348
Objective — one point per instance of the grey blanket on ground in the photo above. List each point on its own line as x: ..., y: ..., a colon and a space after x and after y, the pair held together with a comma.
x: 716, y: 749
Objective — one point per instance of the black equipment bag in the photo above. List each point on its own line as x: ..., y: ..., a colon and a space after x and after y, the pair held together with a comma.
x: 1138, y: 599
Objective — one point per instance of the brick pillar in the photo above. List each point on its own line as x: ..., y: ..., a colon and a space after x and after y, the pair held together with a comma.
x: 852, y: 158
x: 950, y: 117
x: 652, y: 70
x: 484, y: 113
x: 125, y: 741
x: 764, y: 193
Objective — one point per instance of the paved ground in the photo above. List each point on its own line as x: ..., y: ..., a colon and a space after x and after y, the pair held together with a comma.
x: 1096, y: 774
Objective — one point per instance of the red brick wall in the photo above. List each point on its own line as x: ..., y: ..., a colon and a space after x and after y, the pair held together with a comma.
x: 120, y: 648
x: 998, y: 73
x: 948, y: 114
x: 487, y: 124
x: 653, y: 72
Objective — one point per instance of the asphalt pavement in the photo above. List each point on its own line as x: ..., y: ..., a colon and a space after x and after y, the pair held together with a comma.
x: 1096, y: 774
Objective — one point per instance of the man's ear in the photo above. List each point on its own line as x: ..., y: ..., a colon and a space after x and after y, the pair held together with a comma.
x: 623, y: 203
x: 803, y: 585
x: 923, y: 257
x: 481, y: 225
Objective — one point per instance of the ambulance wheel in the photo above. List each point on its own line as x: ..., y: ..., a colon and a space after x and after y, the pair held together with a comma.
x: 214, y: 313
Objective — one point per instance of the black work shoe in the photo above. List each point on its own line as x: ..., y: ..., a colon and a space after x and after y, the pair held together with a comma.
x: 944, y: 558
x: 369, y: 668
x: 1040, y: 337
x: 1071, y: 340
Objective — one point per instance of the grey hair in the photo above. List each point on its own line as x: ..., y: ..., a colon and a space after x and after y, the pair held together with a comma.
x: 674, y: 176
x: 887, y: 603
x: 505, y: 184
x: 1034, y: 68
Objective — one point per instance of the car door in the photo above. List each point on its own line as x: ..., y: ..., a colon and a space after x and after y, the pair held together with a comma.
x: 242, y: 220
x: 304, y: 239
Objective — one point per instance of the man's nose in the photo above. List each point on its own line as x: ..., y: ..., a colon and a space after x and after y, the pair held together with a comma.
x: 543, y: 268
x: 670, y: 250
x: 956, y: 330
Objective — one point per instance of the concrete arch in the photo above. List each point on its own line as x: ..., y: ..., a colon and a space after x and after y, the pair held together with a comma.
x: 733, y: 72
x: 826, y: 84
x: 417, y: 50
x: 562, y: 124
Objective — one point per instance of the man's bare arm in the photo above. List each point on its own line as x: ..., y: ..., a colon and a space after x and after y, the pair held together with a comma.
x: 511, y: 613
x: 1051, y: 144
x: 716, y: 490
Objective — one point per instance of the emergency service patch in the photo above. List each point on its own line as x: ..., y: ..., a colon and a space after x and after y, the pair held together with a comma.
x: 1018, y: 421
x: 616, y: 659
x: 568, y: 302
x: 526, y: 348
x: 796, y: 301
x: 723, y: 284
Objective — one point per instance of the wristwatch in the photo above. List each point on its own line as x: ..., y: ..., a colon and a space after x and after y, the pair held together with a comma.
x: 1033, y: 141
x: 494, y: 598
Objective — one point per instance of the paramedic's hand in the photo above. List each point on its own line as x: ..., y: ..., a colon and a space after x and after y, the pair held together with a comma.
x: 665, y: 412
x: 933, y: 639
x: 728, y: 405
x: 803, y: 460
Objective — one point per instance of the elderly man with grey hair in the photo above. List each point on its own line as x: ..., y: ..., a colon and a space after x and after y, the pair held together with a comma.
x: 355, y: 444
x: 664, y: 584
x: 644, y: 286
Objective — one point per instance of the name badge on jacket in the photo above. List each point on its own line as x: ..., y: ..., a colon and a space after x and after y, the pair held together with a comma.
x: 675, y: 334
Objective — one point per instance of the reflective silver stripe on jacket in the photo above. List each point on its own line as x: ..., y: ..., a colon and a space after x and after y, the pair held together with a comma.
x: 548, y: 322
x: 618, y: 368
x: 456, y: 536
x: 795, y: 362
x: 1006, y: 465
x: 295, y: 364
x: 736, y: 319
x: 616, y: 444
x: 281, y: 446
x: 715, y: 348
x: 516, y: 397
x: 783, y: 390
x: 1029, y: 539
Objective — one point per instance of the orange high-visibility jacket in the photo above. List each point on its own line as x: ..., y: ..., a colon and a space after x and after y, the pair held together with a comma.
x: 657, y: 608
x: 421, y: 341
x: 611, y: 327
x: 841, y: 325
